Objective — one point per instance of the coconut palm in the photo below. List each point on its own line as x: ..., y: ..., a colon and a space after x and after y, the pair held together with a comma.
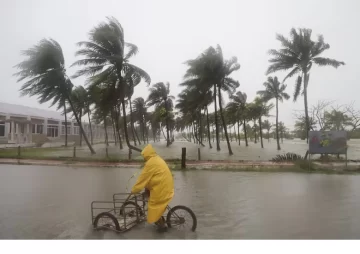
x: 46, y: 77
x: 161, y: 98
x: 106, y: 54
x: 299, y: 53
x: 274, y: 90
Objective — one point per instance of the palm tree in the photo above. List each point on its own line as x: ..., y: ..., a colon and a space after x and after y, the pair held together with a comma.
x: 267, y: 126
x: 238, y: 104
x: 273, y: 90
x: 105, y: 55
x: 259, y: 109
x: 79, y: 97
x: 160, y: 96
x: 140, y: 112
x: 336, y: 120
x: 45, y: 70
x: 282, y: 130
x: 299, y: 53
x: 211, y: 70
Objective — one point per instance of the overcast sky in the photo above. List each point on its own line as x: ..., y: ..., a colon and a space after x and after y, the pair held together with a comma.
x: 171, y: 32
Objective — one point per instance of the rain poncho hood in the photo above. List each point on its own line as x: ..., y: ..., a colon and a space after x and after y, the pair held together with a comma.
x: 157, y: 178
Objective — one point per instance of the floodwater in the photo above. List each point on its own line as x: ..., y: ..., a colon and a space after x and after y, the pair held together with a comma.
x: 38, y: 202
x: 253, y: 152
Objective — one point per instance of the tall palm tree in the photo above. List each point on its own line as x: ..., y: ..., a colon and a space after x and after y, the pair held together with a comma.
x: 274, y: 90
x: 299, y: 53
x: 46, y: 77
x: 161, y: 98
x: 105, y: 54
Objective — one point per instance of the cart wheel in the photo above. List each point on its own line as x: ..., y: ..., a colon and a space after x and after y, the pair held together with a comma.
x: 106, y: 220
x: 129, y: 208
x: 181, y: 217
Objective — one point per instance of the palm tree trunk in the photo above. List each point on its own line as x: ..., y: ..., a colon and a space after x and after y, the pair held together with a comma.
x: 277, y: 124
x: 255, y: 141
x: 132, y: 123
x: 113, y: 126
x: 81, y: 134
x: 216, y: 122
x: 245, y: 133
x: 117, y: 120
x: 235, y: 133
x: 224, y: 124
x: 125, y: 129
x: 208, y: 127
x: 238, y: 127
x: 106, y: 135
x: 306, y: 82
x: 80, y: 126
x: 268, y: 135
x: 260, y: 129
x: 167, y: 124
x: 91, y: 134
x: 66, y: 129
x: 137, y: 136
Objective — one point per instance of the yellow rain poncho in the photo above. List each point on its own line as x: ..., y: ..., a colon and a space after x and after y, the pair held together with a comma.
x: 157, y: 178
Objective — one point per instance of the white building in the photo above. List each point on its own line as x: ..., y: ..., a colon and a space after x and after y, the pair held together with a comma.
x: 24, y: 125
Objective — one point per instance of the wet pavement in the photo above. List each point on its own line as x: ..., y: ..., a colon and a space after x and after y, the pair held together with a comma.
x: 42, y: 202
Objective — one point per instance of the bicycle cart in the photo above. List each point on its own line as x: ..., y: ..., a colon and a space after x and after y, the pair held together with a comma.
x: 128, y: 210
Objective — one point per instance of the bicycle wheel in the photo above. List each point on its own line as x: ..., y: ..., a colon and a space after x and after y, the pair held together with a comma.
x: 129, y: 208
x: 181, y: 217
x: 106, y: 220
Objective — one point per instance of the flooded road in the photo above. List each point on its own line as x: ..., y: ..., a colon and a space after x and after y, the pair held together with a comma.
x: 54, y: 203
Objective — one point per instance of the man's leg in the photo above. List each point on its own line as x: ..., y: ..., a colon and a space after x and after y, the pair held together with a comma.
x: 161, y: 224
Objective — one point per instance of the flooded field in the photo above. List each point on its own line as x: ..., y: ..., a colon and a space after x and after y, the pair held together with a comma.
x: 253, y: 152
x: 40, y: 202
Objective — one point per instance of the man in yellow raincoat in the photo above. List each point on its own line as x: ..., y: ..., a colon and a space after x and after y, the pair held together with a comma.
x: 156, y: 177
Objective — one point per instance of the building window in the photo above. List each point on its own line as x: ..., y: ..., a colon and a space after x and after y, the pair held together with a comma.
x: 2, y: 129
x: 76, y: 130
x: 63, y: 130
x: 53, y: 131
x: 37, y: 129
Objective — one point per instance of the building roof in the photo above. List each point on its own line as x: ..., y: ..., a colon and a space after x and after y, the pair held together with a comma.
x: 13, y: 109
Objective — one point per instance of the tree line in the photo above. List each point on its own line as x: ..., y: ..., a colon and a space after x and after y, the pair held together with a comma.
x: 107, y: 95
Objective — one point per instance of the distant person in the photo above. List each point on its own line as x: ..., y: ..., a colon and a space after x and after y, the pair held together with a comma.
x: 157, y: 180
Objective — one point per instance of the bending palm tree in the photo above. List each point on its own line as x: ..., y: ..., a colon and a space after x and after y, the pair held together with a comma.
x: 160, y: 96
x: 47, y: 79
x: 105, y: 55
x: 299, y: 53
x: 273, y: 90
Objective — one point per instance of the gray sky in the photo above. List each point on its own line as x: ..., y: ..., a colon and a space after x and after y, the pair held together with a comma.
x: 171, y: 32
